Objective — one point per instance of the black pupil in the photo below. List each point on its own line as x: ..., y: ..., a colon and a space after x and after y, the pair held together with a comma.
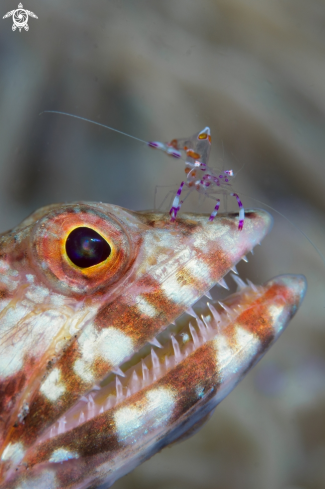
x: 86, y: 248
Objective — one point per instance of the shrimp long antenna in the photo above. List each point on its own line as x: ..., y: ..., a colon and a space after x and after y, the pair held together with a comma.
x: 92, y: 122
x: 320, y: 254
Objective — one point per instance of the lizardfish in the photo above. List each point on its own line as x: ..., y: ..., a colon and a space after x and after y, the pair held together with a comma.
x: 95, y: 377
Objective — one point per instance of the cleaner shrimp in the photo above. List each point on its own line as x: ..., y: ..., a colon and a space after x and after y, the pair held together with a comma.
x: 199, y: 176
x: 195, y: 152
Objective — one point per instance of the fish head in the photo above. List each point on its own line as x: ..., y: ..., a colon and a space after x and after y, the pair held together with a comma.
x: 85, y: 288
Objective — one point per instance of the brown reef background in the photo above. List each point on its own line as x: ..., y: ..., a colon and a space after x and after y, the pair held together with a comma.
x: 252, y: 70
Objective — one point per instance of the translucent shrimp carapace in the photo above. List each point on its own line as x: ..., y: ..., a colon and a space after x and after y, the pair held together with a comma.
x: 195, y: 151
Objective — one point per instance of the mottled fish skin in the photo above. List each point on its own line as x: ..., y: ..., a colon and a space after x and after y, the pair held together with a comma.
x: 63, y: 329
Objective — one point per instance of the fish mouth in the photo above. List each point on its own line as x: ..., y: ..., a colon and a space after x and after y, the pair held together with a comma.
x: 205, y: 321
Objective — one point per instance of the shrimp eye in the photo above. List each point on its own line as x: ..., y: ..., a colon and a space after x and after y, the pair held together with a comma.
x: 86, y: 248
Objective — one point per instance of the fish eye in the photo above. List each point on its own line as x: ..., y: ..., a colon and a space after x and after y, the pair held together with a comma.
x: 86, y: 248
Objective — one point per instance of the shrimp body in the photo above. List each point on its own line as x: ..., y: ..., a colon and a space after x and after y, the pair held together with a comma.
x: 195, y: 151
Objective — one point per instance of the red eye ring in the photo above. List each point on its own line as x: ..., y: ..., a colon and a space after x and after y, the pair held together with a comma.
x: 50, y: 254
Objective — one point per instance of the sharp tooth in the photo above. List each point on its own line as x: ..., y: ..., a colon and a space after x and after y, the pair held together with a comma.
x: 229, y: 311
x: 176, y: 348
x: 145, y: 372
x: 167, y: 363
x: 96, y: 388
x: 208, y: 327
x: 83, y: 398
x: 223, y: 284
x: 82, y: 418
x: 119, y: 389
x: 155, y: 360
x: 155, y: 364
x: 155, y: 342
x: 195, y: 337
x: 101, y: 410
x: 244, y: 258
x: 241, y: 284
x: 118, y: 371
x: 215, y: 314
x: 255, y: 289
x: 202, y: 329
x: 135, y: 382
x: 190, y: 311
x: 91, y: 407
x: 135, y: 377
x: 52, y: 432
x: 208, y: 295
x: 110, y: 402
x: 234, y: 269
x: 62, y: 423
x: 128, y: 392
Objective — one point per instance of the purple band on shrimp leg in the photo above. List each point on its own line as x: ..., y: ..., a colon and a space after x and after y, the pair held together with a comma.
x: 171, y: 151
x: 157, y: 145
x: 176, y: 203
x: 215, y: 211
x: 173, y: 213
x: 179, y: 191
x: 241, y: 212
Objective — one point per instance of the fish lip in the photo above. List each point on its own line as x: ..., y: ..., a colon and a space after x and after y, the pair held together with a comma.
x: 296, y: 282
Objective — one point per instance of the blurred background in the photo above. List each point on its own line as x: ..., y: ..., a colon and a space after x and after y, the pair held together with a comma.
x: 252, y: 70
